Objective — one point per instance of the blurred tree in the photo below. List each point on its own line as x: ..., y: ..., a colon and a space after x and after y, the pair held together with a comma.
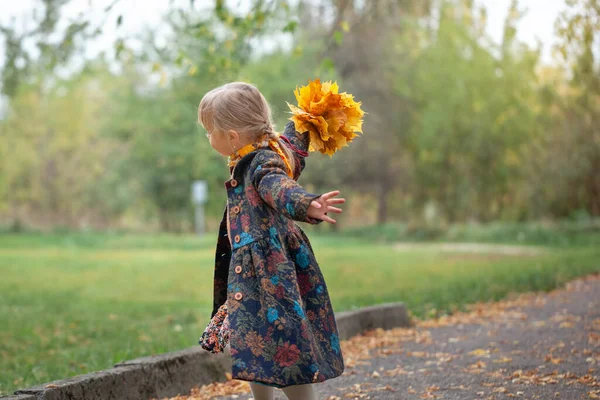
x: 475, y: 109
x: 53, y: 45
x: 360, y: 45
x: 454, y: 120
x: 34, y: 51
x: 51, y: 156
x: 155, y: 124
x: 567, y: 163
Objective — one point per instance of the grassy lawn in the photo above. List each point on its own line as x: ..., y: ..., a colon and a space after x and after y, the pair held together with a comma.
x: 76, y: 303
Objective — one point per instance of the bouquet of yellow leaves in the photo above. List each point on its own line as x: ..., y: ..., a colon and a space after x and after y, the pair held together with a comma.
x: 331, y: 119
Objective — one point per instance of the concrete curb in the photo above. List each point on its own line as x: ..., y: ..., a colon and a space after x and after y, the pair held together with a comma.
x: 176, y: 373
x: 385, y: 316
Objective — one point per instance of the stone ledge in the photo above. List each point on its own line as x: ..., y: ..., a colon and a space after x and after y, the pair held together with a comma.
x: 116, y: 383
x: 18, y: 397
x: 174, y: 373
x: 385, y: 316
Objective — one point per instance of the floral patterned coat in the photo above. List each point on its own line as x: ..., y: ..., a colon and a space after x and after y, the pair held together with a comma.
x: 282, y: 327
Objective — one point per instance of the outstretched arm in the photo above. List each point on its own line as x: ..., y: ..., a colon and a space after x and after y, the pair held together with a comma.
x: 285, y: 195
x: 300, y: 140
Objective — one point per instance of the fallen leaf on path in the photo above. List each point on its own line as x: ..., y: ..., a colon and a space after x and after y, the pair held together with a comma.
x: 551, y: 359
x: 231, y: 387
x: 429, y: 395
x: 387, y: 387
x: 395, y: 372
x: 478, y: 365
x: 594, y: 339
x: 480, y: 353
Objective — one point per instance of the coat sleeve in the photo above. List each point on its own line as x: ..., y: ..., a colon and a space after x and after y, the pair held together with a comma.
x: 300, y: 140
x: 278, y: 190
x: 298, y: 143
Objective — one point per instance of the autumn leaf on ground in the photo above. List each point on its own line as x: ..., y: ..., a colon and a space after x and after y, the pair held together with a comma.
x: 549, y: 358
x: 480, y: 353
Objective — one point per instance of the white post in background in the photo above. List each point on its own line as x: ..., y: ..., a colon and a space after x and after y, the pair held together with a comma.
x: 200, y: 196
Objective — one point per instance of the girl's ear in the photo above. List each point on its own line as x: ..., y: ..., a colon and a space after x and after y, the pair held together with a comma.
x: 233, y: 136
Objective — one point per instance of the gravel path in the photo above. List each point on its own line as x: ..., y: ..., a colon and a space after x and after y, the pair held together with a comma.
x: 535, y: 346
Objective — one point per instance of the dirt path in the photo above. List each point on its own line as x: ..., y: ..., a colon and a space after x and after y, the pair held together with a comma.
x: 544, y: 346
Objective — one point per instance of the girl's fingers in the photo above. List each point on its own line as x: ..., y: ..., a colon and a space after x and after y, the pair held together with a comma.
x: 336, y: 201
x: 327, y: 200
x: 331, y: 194
x: 328, y: 219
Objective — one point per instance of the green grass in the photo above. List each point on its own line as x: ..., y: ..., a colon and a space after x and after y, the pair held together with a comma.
x: 566, y: 233
x: 76, y: 303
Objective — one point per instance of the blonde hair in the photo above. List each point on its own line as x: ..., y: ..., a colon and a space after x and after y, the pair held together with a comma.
x: 241, y: 107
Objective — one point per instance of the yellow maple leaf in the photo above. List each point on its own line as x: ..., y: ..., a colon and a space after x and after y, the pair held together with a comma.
x: 332, y: 119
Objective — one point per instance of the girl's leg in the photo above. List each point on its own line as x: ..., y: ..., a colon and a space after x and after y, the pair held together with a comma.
x: 300, y: 392
x: 261, y: 392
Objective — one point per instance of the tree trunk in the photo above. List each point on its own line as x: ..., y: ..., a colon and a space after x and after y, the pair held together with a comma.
x: 593, y: 189
x: 382, y: 209
x: 163, y: 218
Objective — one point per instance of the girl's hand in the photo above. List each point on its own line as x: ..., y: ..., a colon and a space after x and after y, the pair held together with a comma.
x: 320, y: 207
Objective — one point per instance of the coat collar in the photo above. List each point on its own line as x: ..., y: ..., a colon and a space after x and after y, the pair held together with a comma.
x: 239, y: 169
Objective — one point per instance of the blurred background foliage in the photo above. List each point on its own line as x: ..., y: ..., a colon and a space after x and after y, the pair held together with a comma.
x: 459, y: 129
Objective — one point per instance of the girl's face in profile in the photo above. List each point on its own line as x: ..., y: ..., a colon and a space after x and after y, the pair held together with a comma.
x: 223, y: 142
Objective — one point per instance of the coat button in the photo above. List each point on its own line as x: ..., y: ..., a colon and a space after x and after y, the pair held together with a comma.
x: 235, y: 209
x: 238, y: 296
x: 238, y: 269
x: 233, y: 183
x: 237, y: 238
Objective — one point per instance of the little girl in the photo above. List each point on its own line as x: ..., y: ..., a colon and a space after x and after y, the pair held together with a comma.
x: 282, y: 328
